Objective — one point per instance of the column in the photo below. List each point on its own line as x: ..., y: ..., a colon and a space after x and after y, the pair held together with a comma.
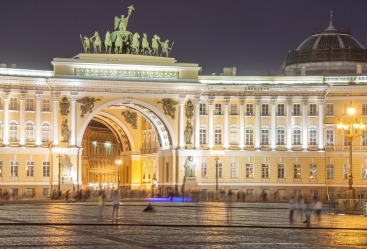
x: 6, y: 119
x: 242, y: 123
x: 197, y: 123
x: 38, y: 118
x: 257, y: 123
x: 211, y: 123
x: 289, y: 123
x: 73, y: 98
x: 22, y: 118
x: 181, y: 123
x: 273, y: 127
x: 55, y: 117
x: 226, y: 120
x: 321, y: 123
x: 304, y: 124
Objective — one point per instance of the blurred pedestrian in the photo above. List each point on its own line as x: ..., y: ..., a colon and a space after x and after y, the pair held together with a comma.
x: 148, y: 208
x: 101, y: 202
x: 318, y: 208
x: 292, y: 207
x: 308, y: 211
x: 301, y: 207
x: 115, y: 203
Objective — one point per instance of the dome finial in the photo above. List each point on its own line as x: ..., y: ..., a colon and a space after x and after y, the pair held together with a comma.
x: 331, y: 18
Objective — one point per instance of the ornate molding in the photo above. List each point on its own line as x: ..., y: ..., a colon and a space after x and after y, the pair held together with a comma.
x: 130, y: 118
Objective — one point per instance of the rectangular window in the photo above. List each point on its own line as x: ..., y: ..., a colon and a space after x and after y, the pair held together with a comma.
x: 281, y: 170
x: 46, y: 105
x: 249, y: 137
x: 220, y: 170
x: 330, y: 171
x: 313, y: 171
x: 14, y: 168
x: 1, y: 168
x: 364, y: 109
x: 45, y: 191
x: 29, y: 104
x: 265, y: 137
x: 234, y: 170
x: 297, y: 171
x: 233, y: 136
x: 296, y: 109
x: 297, y: 137
x: 30, y: 168
x: 312, y: 137
x: 202, y: 136
x: 249, y: 109
x: 346, y: 171
x: 218, y: 136
x: 264, y: 110
x: 364, y: 172
x: 364, y: 138
x: 281, y: 110
x: 249, y: 170
x: 234, y: 110
x: 46, y: 169
x: 218, y: 109
x: 281, y: 136
x: 329, y: 137
x: 13, y: 105
x: 265, y: 170
x: 329, y: 110
x: 250, y: 192
x: 202, y: 109
x: 346, y: 141
x: 204, y: 170
x: 313, y: 110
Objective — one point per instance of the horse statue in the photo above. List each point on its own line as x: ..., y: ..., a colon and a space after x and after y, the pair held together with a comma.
x: 145, y: 48
x: 118, y: 44
x: 155, y: 44
x: 108, y: 43
x: 135, y: 45
x: 97, y: 43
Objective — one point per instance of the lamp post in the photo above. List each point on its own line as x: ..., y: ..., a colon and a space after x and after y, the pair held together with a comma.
x: 59, y: 151
x: 216, y: 154
x: 350, y: 128
x: 118, y: 163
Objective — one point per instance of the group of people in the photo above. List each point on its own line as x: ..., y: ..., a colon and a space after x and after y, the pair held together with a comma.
x: 304, y: 209
x: 115, y: 196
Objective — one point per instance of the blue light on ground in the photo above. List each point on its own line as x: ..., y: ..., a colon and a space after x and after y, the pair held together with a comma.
x: 167, y: 199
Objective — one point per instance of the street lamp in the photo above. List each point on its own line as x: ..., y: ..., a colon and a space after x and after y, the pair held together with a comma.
x: 118, y: 163
x: 350, y: 128
x: 216, y: 154
x: 59, y: 151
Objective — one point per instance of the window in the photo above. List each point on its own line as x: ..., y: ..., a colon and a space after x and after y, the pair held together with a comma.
x: 313, y: 110
x: 281, y: 110
x: 13, y: 105
x: 218, y: 135
x: 233, y: 135
x: 45, y: 191
x: 312, y: 137
x: 346, y: 141
x: 29, y: 104
x: 234, y: 170
x: 364, y: 138
x: 204, y: 170
x: 264, y: 110
x: 13, y: 131
x: 297, y: 171
x: 346, y: 171
x: 249, y: 136
x: 296, y: 136
x: 202, y: 109
x: 14, y: 168
x: 234, y: 109
x: 265, y: 136
x: 313, y: 171
x: 46, y: 169
x: 329, y: 110
x: 30, y: 168
x: 202, y: 135
x: 1, y: 168
x: 281, y: 170
x: 280, y: 136
x: 364, y: 172
x: 220, y: 170
x: 29, y: 192
x: 296, y: 109
x: 330, y: 171
x: 329, y: 137
x: 249, y: 109
x: 364, y: 109
x: 29, y: 131
x: 46, y: 133
x: 250, y: 192
x: 249, y: 170
x: 218, y: 109
x: 265, y: 171
x: 46, y: 105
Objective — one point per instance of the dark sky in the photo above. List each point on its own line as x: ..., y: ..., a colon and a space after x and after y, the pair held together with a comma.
x: 252, y: 35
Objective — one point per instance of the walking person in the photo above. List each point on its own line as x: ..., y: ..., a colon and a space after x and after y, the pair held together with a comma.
x: 318, y: 208
x: 292, y: 207
x: 101, y: 202
x: 116, y: 204
x: 308, y: 211
x: 301, y: 207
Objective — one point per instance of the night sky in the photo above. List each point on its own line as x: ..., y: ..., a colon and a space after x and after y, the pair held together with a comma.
x: 252, y: 35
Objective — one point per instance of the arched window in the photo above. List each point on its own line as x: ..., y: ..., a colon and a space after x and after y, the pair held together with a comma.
x: 280, y: 135
x: 265, y: 135
x: 249, y: 133
x: 46, y: 132
x: 13, y: 131
x: 218, y: 135
x: 202, y: 135
x: 297, y: 136
x: 233, y: 135
x: 29, y: 131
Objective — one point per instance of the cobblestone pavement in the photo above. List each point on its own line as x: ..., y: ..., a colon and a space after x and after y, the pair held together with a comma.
x: 173, y: 225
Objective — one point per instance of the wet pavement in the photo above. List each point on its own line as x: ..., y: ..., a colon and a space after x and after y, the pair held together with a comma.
x: 174, y: 225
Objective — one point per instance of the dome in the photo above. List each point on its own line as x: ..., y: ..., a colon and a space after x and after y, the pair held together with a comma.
x: 330, y: 52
